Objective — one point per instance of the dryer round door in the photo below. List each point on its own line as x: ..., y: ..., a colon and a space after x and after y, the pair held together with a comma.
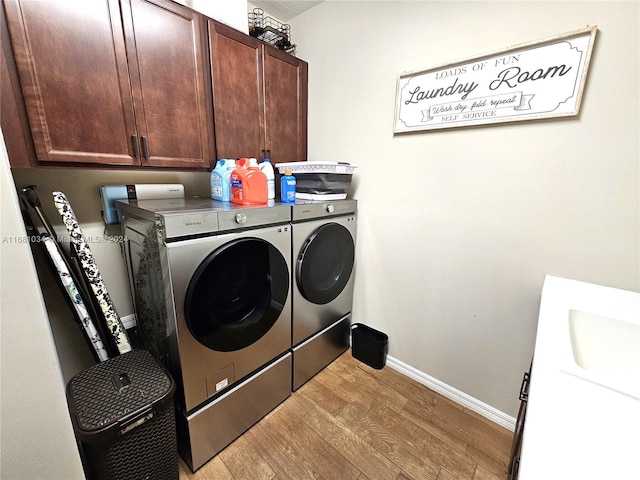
x: 236, y: 294
x: 325, y: 263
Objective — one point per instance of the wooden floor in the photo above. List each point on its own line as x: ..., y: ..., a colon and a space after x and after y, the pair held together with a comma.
x: 354, y: 422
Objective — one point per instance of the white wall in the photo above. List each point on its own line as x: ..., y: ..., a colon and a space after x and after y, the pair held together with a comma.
x: 37, y: 437
x: 457, y: 228
x: 229, y: 12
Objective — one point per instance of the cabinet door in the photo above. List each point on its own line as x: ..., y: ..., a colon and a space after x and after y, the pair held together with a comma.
x: 73, y: 72
x: 13, y: 116
x: 166, y: 43
x: 238, y: 104
x: 285, y: 86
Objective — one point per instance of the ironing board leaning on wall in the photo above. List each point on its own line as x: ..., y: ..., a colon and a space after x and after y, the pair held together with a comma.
x: 92, y: 273
x: 68, y: 279
x: 78, y: 303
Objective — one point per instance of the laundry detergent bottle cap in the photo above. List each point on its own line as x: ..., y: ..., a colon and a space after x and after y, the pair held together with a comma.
x: 288, y: 187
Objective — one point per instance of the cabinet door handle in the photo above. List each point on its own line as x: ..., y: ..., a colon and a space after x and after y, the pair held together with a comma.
x: 145, y: 146
x: 136, y: 149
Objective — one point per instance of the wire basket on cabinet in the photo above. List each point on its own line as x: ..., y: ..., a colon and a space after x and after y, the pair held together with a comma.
x: 271, y: 31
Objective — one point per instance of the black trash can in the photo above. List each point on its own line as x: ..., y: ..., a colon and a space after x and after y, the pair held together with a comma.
x: 369, y: 345
x: 123, y: 417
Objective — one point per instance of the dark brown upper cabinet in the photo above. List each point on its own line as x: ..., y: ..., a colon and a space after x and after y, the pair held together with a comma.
x: 114, y: 83
x: 259, y: 97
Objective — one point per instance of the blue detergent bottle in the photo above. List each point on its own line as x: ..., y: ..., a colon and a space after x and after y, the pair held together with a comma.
x: 220, y: 189
x: 288, y: 187
x: 230, y: 165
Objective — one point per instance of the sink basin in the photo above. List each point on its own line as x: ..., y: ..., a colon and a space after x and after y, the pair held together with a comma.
x: 592, y: 332
x: 583, y: 408
x: 607, y: 350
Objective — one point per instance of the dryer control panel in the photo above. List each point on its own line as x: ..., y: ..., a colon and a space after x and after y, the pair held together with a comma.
x: 310, y: 210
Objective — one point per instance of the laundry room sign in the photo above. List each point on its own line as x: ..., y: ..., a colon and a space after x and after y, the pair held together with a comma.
x: 540, y: 79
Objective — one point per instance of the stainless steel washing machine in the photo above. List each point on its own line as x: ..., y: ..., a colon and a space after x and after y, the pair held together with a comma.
x: 211, y: 285
x: 324, y: 235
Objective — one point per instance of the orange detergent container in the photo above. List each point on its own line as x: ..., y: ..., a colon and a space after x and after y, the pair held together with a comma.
x: 248, y: 184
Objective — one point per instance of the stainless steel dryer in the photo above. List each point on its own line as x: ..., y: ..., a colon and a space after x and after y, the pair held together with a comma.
x: 211, y: 289
x: 324, y: 235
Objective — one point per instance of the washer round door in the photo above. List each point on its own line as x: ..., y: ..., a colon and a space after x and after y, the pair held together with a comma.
x: 325, y: 263
x: 236, y: 294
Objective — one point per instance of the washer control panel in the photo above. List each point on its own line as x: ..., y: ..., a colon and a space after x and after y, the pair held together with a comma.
x: 253, y: 216
x: 190, y: 224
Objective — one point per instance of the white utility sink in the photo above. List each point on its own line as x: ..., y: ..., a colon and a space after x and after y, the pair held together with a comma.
x: 606, y: 351
x: 583, y: 408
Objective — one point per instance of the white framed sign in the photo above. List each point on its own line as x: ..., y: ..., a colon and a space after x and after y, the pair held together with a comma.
x: 540, y: 79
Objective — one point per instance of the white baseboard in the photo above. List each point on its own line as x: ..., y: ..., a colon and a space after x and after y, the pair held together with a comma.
x: 453, y: 394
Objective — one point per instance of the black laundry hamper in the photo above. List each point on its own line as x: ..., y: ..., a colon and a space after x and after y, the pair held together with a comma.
x: 123, y: 417
x: 369, y: 345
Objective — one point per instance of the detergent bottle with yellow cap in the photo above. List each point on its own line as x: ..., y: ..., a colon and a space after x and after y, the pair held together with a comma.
x: 288, y: 187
